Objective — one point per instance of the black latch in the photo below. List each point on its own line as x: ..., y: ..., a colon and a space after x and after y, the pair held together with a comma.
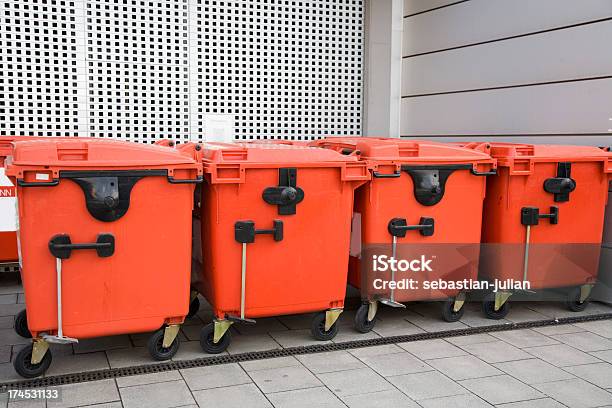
x: 429, y: 182
x: 61, y: 246
x: 244, y: 231
x: 562, y: 185
x: 398, y: 227
x: 287, y: 194
x: 531, y: 215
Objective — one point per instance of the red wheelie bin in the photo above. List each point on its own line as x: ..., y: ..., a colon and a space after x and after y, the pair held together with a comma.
x: 543, y: 221
x: 276, y: 222
x: 105, y: 237
x: 424, y: 202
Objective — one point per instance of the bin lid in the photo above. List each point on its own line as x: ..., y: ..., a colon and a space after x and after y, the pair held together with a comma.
x: 67, y: 153
x: 547, y: 153
x: 271, y: 153
x: 404, y: 150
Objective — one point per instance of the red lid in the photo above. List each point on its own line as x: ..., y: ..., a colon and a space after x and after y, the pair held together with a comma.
x: 269, y: 152
x: 404, y: 150
x: 548, y: 152
x: 68, y: 153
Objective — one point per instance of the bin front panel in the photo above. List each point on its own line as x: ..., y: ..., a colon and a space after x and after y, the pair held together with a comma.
x: 305, y: 271
x: 454, y: 243
x: 561, y: 254
x: 136, y: 289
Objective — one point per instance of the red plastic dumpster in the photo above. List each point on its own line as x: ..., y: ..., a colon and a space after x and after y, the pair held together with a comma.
x: 276, y: 222
x: 105, y: 233
x: 543, y: 220
x: 424, y: 203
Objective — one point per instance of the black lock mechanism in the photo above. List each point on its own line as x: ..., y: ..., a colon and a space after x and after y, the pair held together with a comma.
x: 398, y: 227
x: 287, y: 195
x: 244, y: 231
x: 562, y: 185
x: 532, y: 216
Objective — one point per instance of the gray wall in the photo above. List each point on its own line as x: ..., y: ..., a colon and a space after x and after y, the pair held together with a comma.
x: 502, y: 68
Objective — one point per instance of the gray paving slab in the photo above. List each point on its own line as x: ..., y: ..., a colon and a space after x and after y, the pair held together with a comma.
x: 585, y: 341
x: 21, y: 298
x: 269, y: 363
x: 524, y: 338
x: 127, y: 357
x: 331, y: 361
x: 350, y: 334
x: 297, y: 322
x: 94, y: 392
x: 10, y: 309
x: 246, y: 343
x: 428, y: 349
x: 558, y: 329
x: 496, y: 352
x: 522, y: 313
x: 295, y: 338
x: 284, y: 379
x: 501, y: 389
x: 599, y: 374
x: 200, y: 378
x: 306, y: 398
x: 102, y: 344
x: 161, y: 395
x: 396, y: 327
x: 430, y: 384
x: 24, y: 404
x: 237, y: 396
x: 605, y: 355
x: 192, y: 333
x: 7, y: 373
x: 8, y: 337
x: 106, y: 405
x: 536, y: 403
x: 376, y: 350
x: 191, y: 350
x: 534, y: 371
x: 433, y: 322
x: 557, y: 310
x: 396, y: 364
x: 263, y: 325
x: 463, y: 367
x: 73, y: 363
x: 353, y: 382
x: 561, y: 355
x: 7, y: 322
x: 391, y: 399
x: 8, y: 299
x: 456, y: 401
x: 601, y: 327
x: 144, y: 379
x: 5, y: 354
x: 576, y: 393
x: 471, y: 339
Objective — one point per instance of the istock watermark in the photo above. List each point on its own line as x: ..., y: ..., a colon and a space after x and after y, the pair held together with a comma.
x: 384, y: 263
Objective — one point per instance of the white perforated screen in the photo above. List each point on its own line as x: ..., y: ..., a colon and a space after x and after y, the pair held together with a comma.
x: 143, y: 70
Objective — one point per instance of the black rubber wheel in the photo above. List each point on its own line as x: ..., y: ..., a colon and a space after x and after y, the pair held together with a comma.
x: 573, y: 301
x: 362, y: 325
x: 156, y: 348
x: 194, y: 307
x: 207, y: 336
x: 23, y: 363
x: 488, y: 308
x: 21, y: 325
x: 318, y: 328
x: 448, y: 312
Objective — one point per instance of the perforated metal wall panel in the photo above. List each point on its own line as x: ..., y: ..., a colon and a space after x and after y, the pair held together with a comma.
x: 143, y: 70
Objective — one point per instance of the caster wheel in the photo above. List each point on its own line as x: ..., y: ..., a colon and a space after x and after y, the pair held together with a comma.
x: 21, y: 325
x: 318, y: 328
x: 488, y: 308
x: 23, y: 363
x: 207, y: 336
x: 448, y: 312
x: 194, y: 307
x: 362, y: 325
x: 155, y: 344
x: 573, y: 301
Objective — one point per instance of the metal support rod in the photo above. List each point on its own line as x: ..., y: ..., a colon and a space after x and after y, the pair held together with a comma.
x: 526, y: 263
x: 58, y: 268
x: 394, y: 252
x: 243, y: 280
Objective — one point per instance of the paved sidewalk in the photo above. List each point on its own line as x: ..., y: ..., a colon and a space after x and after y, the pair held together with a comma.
x: 566, y: 365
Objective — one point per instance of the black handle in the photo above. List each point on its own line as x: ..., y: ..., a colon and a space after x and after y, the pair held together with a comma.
x: 244, y: 231
x: 287, y: 194
x: 61, y: 246
x: 398, y: 227
x: 492, y: 172
x: 531, y: 215
x: 197, y: 180
x: 22, y: 183
x: 390, y: 175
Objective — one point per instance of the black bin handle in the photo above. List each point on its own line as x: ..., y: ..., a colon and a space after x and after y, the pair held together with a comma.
x: 61, y: 246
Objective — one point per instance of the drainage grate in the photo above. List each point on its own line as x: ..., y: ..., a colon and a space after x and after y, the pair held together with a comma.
x: 292, y: 351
